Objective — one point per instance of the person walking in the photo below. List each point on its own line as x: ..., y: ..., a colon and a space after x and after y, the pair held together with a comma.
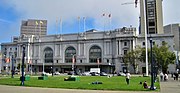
x: 165, y: 77
x: 161, y: 76
x: 128, y: 77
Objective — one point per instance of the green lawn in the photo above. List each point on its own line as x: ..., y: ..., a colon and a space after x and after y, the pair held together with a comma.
x: 113, y: 83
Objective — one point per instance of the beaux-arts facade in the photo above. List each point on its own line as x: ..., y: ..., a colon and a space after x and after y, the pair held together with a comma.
x: 90, y: 49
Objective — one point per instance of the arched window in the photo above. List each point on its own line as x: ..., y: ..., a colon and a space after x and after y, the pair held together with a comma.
x: 69, y: 53
x: 48, y: 55
x: 94, y: 54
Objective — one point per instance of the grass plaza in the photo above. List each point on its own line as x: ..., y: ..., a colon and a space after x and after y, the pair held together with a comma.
x: 116, y: 83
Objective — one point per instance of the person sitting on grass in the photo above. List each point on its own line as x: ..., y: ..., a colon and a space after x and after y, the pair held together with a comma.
x: 145, y: 85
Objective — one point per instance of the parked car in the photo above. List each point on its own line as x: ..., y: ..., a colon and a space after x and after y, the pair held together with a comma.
x: 86, y: 74
x: 94, y: 74
x: 103, y: 74
x: 56, y: 73
x: 46, y: 74
x: 121, y: 74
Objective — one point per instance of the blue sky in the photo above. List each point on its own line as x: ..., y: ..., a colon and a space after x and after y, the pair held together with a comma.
x: 12, y: 12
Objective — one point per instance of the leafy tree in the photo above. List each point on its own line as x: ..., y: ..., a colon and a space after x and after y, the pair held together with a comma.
x: 133, y: 57
x: 161, y: 55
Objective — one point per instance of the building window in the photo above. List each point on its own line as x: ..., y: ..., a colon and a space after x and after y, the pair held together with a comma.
x: 48, y: 55
x: 107, y: 60
x: 80, y: 61
x: 69, y: 54
x: 35, y: 61
x: 95, y: 54
x: 125, y: 52
x: 143, y: 43
x: 125, y: 43
x: 56, y: 61
x: 153, y: 43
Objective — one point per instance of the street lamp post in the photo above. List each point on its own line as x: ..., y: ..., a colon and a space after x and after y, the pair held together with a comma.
x: 152, y: 67
x: 23, y: 56
x: 73, y: 61
x: 52, y: 68
x: 12, y: 60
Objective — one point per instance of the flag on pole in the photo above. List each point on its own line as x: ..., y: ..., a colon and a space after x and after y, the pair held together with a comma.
x: 109, y: 16
x: 97, y: 60
x: 103, y: 14
x: 36, y: 23
x: 136, y: 1
x: 73, y: 59
x: 41, y: 22
x: 7, y: 60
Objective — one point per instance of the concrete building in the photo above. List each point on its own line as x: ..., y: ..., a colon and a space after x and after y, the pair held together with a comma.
x: 33, y: 27
x: 90, y: 49
x: 174, y: 29
x: 153, y: 15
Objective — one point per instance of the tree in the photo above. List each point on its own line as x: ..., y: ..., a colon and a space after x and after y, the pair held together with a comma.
x: 133, y: 57
x: 161, y: 55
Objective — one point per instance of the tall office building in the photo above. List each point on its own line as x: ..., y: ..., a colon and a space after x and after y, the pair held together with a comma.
x: 34, y: 27
x: 154, y: 17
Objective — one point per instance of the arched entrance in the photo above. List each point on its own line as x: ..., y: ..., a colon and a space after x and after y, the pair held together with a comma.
x: 48, y: 58
x: 70, y: 54
x: 95, y: 54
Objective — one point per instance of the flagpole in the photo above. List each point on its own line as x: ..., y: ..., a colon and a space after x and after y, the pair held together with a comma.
x: 61, y: 25
x: 78, y: 24
x: 40, y: 46
x: 56, y: 26
x: 145, y: 24
x: 110, y: 21
x: 84, y: 20
x: 103, y: 16
x: 73, y: 60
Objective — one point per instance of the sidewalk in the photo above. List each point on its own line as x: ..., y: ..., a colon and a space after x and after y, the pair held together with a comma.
x: 171, y: 86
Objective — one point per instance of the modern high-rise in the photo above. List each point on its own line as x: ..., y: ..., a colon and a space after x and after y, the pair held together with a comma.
x: 34, y: 27
x: 154, y: 17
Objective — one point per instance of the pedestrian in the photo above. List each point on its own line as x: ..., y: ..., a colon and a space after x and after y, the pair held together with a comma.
x: 165, y: 77
x: 176, y: 76
x: 161, y: 76
x: 127, y: 77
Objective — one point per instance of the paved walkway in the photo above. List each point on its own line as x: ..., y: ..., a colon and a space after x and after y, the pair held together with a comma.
x: 170, y: 86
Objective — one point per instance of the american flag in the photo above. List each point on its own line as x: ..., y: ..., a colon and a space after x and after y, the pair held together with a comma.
x: 98, y: 60
x: 73, y: 59
x: 7, y: 60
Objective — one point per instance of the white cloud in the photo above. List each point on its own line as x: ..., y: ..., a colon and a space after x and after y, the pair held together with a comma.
x: 69, y: 10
